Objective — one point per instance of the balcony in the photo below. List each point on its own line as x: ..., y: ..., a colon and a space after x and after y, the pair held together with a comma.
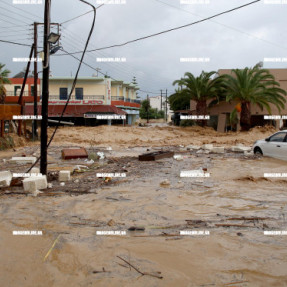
x: 73, y: 98
x: 126, y: 100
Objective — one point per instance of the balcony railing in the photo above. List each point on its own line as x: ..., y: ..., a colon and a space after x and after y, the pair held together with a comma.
x: 73, y: 97
x: 12, y: 94
x: 126, y: 100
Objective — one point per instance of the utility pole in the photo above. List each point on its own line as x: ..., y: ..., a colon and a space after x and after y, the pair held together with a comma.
x: 160, y: 99
x: 35, y: 126
x: 20, y: 100
x: 45, y: 89
x: 147, y: 120
x: 166, y: 106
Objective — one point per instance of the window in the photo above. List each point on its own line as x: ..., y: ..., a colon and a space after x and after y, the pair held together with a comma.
x: 17, y: 90
x: 63, y: 93
x: 79, y: 93
x: 278, y: 137
x: 32, y: 91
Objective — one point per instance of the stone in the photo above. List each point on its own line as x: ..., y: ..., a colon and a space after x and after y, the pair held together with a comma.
x: 193, y: 147
x: 207, y: 147
x: 29, y: 160
x: 165, y: 182
x: 218, y: 149
x: 35, y: 170
x: 240, y: 148
x: 64, y: 175
x: 32, y: 184
x: 178, y: 157
x: 5, y: 178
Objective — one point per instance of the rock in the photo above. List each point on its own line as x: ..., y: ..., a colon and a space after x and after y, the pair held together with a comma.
x: 218, y: 149
x: 207, y: 147
x: 193, y: 147
x: 178, y: 157
x: 62, y: 184
x: 111, y: 223
x: 165, y: 182
x: 240, y: 148
x: 50, y: 185
x: 5, y: 178
x: 76, y: 181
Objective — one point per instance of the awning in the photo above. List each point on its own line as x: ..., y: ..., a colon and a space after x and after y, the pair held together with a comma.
x: 75, y: 110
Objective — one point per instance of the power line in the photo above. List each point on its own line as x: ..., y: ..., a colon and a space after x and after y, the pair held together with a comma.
x: 3, y: 2
x: 81, y: 15
x: 172, y: 29
x: 10, y: 42
x: 88, y: 65
x: 114, y: 65
x: 224, y: 25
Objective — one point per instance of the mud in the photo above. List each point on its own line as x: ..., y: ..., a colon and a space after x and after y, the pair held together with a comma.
x: 236, y: 204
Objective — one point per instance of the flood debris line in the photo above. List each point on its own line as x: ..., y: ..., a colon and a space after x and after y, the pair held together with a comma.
x: 139, y: 271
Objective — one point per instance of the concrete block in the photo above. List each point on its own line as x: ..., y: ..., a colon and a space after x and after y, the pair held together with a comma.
x: 29, y: 160
x: 218, y: 149
x: 35, y: 170
x: 207, y: 147
x: 64, y: 175
x: 5, y: 178
x: 191, y: 147
x: 240, y: 148
x: 32, y: 184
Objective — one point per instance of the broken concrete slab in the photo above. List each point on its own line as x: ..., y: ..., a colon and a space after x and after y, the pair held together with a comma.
x: 32, y: 184
x: 218, y: 149
x: 64, y: 175
x: 193, y: 147
x: 5, y: 178
x: 240, y: 148
x: 29, y: 160
x: 207, y: 147
x: 35, y: 170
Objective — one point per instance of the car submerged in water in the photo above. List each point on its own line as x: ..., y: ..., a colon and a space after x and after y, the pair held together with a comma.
x: 273, y: 146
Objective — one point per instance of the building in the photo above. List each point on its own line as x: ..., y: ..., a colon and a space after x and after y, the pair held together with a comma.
x: 159, y: 103
x: 91, y: 98
x: 220, y: 114
x: 13, y: 90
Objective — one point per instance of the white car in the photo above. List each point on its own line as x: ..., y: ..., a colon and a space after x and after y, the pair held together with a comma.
x: 273, y: 146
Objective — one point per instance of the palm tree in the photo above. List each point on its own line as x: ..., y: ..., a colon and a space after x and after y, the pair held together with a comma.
x: 3, y: 80
x: 200, y: 89
x: 253, y: 86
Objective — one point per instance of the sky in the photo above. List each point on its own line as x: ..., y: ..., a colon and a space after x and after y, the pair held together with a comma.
x: 238, y: 39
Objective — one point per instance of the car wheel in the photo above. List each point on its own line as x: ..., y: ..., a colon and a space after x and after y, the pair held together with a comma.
x: 258, y: 151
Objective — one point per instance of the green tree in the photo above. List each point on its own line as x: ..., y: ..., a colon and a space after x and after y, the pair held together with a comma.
x: 180, y: 100
x: 200, y: 89
x: 4, y: 73
x: 145, y: 109
x: 253, y: 86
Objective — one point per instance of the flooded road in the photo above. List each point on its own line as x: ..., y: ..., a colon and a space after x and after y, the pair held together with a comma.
x: 235, y: 205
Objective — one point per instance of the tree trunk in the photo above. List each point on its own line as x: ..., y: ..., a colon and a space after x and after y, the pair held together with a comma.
x: 201, y: 110
x: 245, y: 116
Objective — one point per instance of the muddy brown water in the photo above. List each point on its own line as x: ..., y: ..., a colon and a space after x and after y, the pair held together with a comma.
x: 228, y: 256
